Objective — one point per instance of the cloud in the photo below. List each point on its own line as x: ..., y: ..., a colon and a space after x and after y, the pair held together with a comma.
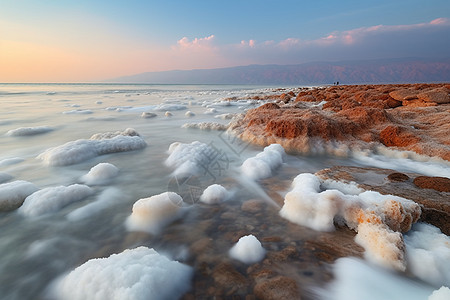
x: 374, y: 42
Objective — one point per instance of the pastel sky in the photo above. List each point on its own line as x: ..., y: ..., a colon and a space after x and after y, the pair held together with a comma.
x: 94, y: 40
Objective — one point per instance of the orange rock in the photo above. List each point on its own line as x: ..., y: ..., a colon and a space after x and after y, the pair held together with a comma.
x: 440, y: 184
x: 397, y: 136
x: 403, y: 94
x: 439, y: 96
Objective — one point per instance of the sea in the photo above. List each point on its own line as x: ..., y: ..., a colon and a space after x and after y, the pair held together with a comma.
x: 39, y: 248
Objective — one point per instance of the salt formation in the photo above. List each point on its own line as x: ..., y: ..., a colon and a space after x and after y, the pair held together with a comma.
x: 78, y: 112
x: 168, y: 114
x: 12, y: 194
x: 214, y: 194
x: 190, y: 159
x: 100, y: 174
x: 106, y: 199
x: 263, y: 164
x: 25, y: 131
x: 52, y: 199
x: 206, y: 126
x: 154, y: 213
x: 139, y: 273
x: 169, y: 107
x: 189, y: 114
x: 355, y: 279
x: 377, y: 218
x: 248, y: 250
x: 442, y: 294
x: 428, y: 254
x: 148, y: 115
x: 101, y: 143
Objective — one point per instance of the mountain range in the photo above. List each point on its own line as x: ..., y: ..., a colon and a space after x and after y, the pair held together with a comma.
x: 405, y: 70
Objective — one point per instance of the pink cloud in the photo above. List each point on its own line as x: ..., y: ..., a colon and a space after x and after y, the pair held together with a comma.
x: 199, y: 43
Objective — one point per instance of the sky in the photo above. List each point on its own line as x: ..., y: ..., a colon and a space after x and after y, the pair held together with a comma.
x: 89, y: 41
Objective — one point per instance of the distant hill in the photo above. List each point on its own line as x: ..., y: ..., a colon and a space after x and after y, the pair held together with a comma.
x: 408, y: 70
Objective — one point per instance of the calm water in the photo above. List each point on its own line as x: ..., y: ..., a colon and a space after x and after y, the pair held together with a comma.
x: 35, y: 251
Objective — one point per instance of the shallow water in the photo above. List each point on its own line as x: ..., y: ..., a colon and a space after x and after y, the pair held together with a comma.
x: 35, y: 251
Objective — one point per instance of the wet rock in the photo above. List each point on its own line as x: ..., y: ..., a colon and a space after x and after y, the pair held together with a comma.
x: 305, y: 98
x: 440, y: 184
x: 252, y: 206
x: 398, y: 177
x: 280, y: 287
x: 229, y: 280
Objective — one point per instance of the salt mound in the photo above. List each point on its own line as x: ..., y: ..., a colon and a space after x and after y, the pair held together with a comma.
x: 355, y: 279
x: 190, y: 158
x: 248, y: 250
x: 189, y: 114
x: 169, y: 107
x: 107, y: 198
x: 100, y: 174
x: 214, y: 194
x: 154, y: 213
x: 428, y: 254
x: 264, y: 163
x: 206, y: 126
x: 442, y: 294
x: 148, y: 115
x: 12, y: 194
x: 377, y: 218
x: 139, y: 273
x: 25, y: 131
x: 52, y: 199
x: 78, y: 112
x: 102, y: 143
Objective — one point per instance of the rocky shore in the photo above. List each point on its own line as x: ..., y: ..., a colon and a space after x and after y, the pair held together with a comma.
x: 341, y: 119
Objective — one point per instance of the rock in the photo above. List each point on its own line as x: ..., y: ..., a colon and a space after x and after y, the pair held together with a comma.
x: 392, y: 103
x: 229, y: 280
x: 400, y: 177
x: 440, y: 184
x: 439, y: 96
x: 403, y: 94
x: 397, y: 136
x: 269, y: 106
x: 252, y: 206
x: 417, y: 103
x: 435, y: 205
x: 305, y: 98
x: 280, y: 287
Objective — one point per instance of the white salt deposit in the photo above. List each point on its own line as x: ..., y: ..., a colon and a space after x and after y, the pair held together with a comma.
x: 442, y: 294
x: 189, y: 114
x: 137, y: 274
x: 106, y: 199
x: 170, y: 107
x: 168, y: 114
x: 26, y: 131
x: 148, y: 115
x: 264, y: 163
x: 12, y: 194
x: 154, y: 213
x: 80, y: 150
x: 210, y: 111
x: 190, y: 158
x: 101, y: 174
x: 428, y: 254
x: 355, y: 279
x: 377, y: 218
x: 248, y: 250
x: 52, y: 199
x: 214, y: 194
x: 206, y: 126
x: 78, y: 112
x: 228, y: 116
